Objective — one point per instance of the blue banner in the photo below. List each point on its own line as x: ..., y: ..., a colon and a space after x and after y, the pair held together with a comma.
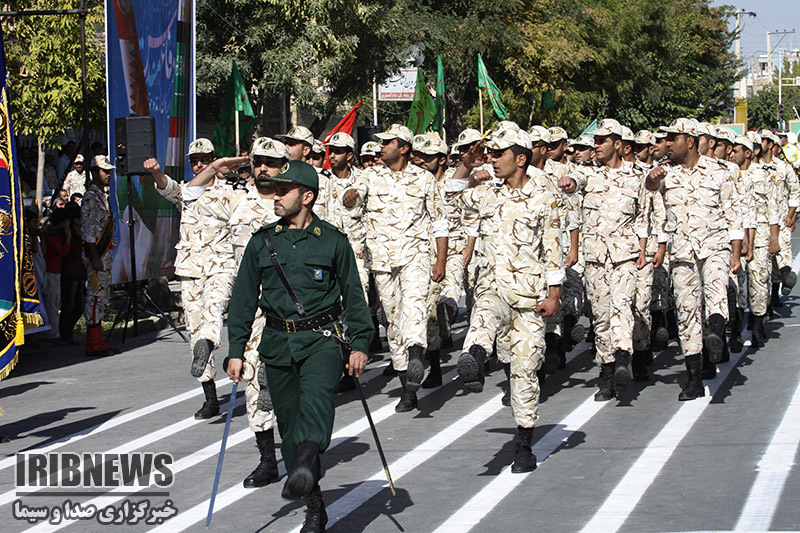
x: 149, y: 72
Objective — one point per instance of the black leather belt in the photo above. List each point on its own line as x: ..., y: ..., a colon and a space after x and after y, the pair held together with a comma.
x: 327, y: 316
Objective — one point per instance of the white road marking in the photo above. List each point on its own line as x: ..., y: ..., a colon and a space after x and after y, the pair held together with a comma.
x: 629, y: 491
x: 773, y: 470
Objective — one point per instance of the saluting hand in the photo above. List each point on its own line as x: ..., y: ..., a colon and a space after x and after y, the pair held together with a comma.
x: 473, y: 158
x: 357, y: 364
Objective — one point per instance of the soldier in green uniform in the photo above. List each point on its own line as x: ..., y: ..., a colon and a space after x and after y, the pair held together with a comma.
x: 298, y: 347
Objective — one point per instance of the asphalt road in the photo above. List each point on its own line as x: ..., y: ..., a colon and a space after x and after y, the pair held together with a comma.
x: 645, y: 462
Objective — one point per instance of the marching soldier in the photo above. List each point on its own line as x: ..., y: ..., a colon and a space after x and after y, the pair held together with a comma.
x: 521, y: 282
x: 299, y: 142
x: 97, y: 233
x: 762, y: 225
x: 704, y: 245
x: 584, y: 150
x: 300, y: 271
x: 370, y: 154
x: 317, y: 156
x: 614, y: 235
x: 403, y: 211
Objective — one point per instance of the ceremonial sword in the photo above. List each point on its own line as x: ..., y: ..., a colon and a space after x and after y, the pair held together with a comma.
x: 221, y: 454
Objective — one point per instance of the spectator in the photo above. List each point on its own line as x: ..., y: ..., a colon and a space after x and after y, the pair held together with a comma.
x: 57, y: 238
x: 63, y: 163
x: 76, y: 198
x: 51, y: 177
x: 73, y: 277
x: 97, y: 149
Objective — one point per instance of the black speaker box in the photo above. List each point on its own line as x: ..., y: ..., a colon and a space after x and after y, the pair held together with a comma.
x: 135, y: 139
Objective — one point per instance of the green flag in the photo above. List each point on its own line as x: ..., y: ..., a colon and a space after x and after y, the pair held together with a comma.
x: 547, y: 100
x: 590, y: 127
x: 485, y: 82
x: 235, y: 99
x: 438, y: 118
x: 422, y: 108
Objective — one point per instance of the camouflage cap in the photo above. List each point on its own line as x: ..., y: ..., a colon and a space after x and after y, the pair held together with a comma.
x: 200, y: 146
x: 298, y: 133
x: 706, y: 128
x: 101, y: 161
x: 644, y: 137
x: 745, y: 141
x: 557, y: 133
x: 506, y: 134
x: 468, y: 136
x: 318, y: 147
x: 768, y: 134
x: 78, y: 158
x: 607, y: 126
x: 539, y: 134
x: 298, y: 172
x: 341, y: 139
x: 683, y: 125
x: 753, y: 136
x: 266, y: 147
x: 396, y: 131
x: 583, y: 140
x: 725, y: 134
x: 627, y: 134
x: 370, y: 148
x: 429, y: 144
x: 658, y: 134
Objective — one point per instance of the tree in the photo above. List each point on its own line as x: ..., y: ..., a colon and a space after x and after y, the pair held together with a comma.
x: 44, y: 67
x: 762, y: 108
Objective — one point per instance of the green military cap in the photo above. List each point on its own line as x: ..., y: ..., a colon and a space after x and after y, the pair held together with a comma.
x: 298, y: 172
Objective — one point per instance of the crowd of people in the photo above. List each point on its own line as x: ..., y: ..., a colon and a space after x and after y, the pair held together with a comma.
x: 675, y: 233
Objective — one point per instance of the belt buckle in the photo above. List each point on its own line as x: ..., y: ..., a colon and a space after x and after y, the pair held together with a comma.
x: 290, y: 327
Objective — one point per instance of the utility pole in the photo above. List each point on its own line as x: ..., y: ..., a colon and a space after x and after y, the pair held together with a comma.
x: 738, y: 45
x: 780, y: 70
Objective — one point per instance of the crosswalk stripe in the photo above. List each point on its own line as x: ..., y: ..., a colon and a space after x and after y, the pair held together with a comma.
x: 773, y: 471
x: 629, y: 491
x: 197, y: 513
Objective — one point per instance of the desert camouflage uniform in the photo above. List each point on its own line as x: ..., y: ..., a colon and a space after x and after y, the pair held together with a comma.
x: 520, y: 240
x: 701, y: 223
x: 95, y: 213
x: 614, y: 219
x: 763, y: 209
x: 742, y: 207
x: 788, y: 196
x: 645, y: 276
x: 350, y: 221
x: 75, y: 182
x: 402, y: 211
x: 249, y: 212
x: 204, y: 259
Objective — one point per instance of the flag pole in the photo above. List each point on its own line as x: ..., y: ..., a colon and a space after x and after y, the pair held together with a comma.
x: 480, y: 104
x: 236, y: 127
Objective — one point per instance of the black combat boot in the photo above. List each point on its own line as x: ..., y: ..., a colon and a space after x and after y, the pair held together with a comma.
x: 507, y: 394
x: 726, y: 353
x: 416, y: 367
x: 749, y: 320
x: 267, y: 470
x: 524, y: 460
x: 639, y: 364
x: 210, y: 407
x: 408, y: 398
x: 694, y: 383
x: 347, y: 383
x: 759, y: 337
x: 709, y: 368
x: 788, y: 280
x: 300, y: 481
x: 551, y: 360
x: 659, y: 336
x: 376, y: 345
x: 446, y: 313
x: 200, y: 354
x: 622, y: 370
x: 434, y: 378
x: 736, y: 344
x: 389, y: 371
x: 470, y: 368
x: 672, y: 324
x: 316, y: 516
x: 606, y: 387
x: 775, y: 301
x: 713, y: 341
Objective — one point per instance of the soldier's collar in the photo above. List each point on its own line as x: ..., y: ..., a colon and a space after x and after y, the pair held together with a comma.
x: 314, y: 228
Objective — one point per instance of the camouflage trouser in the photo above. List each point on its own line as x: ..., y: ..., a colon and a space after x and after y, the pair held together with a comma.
x: 784, y: 257
x: 661, y: 298
x: 641, y: 307
x: 363, y: 276
x: 740, y: 285
x: 758, y: 272
x: 204, y: 302
x: 404, y: 295
x: 452, y: 286
x: 700, y: 284
x: 257, y: 420
x: 434, y: 296
x: 524, y: 329
x: 98, y: 291
x: 611, y: 289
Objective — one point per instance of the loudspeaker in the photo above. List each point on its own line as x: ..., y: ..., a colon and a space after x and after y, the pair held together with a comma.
x: 135, y: 139
x: 364, y: 134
